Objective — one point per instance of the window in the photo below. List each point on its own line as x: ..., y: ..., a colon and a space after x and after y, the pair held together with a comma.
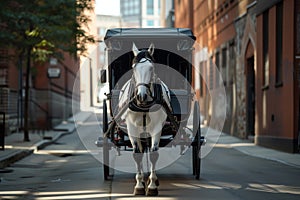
x: 102, y: 31
x: 279, y: 21
x: 3, y: 67
x: 202, y: 83
x: 150, y: 23
x: 150, y: 7
x: 211, y: 74
x: 158, y: 10
x: 224, y: 65
x: 136, y: 10
x: 265, y: 49
x: 231, y: 68
x: 217, y: 70
x: 131, y: 7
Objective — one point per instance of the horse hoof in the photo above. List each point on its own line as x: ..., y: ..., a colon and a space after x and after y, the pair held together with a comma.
x: 156, y: 182
x: 152, y: 192
x: 139, y: 191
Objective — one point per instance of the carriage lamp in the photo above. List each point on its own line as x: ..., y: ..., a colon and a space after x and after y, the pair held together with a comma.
x: 115, y: 45
x: 184, y: 45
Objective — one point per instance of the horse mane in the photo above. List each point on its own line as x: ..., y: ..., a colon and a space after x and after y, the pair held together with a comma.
x: 142, y: 54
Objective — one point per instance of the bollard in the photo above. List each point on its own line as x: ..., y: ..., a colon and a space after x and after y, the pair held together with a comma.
x: 2, y: 131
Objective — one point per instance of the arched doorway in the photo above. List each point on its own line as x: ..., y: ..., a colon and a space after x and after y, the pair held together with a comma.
x: 250, y: 91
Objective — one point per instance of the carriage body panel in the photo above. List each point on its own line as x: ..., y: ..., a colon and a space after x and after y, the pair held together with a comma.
x: 173, y: 50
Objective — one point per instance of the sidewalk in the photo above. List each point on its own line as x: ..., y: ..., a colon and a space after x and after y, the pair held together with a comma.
x: 249, y: 148
x: 16, y: 148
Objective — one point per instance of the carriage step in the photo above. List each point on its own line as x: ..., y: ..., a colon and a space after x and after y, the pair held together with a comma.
x: 163, y: 142
x: 100, y: 143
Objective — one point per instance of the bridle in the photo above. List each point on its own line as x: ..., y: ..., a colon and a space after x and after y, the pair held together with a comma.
x: 143, y: 57
x: 147, y: 85
x: 154, y: 89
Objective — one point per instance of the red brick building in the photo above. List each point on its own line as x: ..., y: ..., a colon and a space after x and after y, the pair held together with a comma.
x: 184, y: 13
x: 8, y: 90
x: 54, y: 97
x: 255, y: 46
x: 278, y: 77
x: 50, y: 99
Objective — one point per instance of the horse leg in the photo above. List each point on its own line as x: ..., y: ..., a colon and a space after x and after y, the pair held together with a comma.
x: 152, y: 189
x: 153, y: 180
x: 139, y: 188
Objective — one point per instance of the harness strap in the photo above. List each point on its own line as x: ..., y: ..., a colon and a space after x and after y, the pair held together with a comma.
x: 151, y: 106
x: 144, y: 84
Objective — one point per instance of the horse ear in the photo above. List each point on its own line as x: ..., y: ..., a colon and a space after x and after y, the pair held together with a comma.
x: 151, y: 49
x: 135, y: 50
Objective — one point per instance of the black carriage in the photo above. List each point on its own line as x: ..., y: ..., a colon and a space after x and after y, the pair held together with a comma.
x: 173, y: 51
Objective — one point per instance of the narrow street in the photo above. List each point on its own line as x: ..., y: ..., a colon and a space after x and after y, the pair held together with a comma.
x: 65, y: 170
x: 222, y: 74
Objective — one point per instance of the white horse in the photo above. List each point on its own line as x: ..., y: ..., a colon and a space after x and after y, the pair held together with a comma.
x: 145, y: 116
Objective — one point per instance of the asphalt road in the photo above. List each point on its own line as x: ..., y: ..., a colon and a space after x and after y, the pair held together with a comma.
x: 65, y: 170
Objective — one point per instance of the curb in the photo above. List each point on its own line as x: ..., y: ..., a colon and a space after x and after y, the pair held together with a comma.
x: 16, y: 156
x: 46, y: 142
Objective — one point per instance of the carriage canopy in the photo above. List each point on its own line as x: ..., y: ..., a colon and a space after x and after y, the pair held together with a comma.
x: 173, y: 48
x: 162, y: 37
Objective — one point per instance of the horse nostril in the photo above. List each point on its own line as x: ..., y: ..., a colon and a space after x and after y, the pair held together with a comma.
x: 144, y: 97
x: 138, y: 97
x: 141, y: 97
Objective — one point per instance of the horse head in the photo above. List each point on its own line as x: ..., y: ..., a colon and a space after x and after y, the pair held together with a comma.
x: 143, y: 71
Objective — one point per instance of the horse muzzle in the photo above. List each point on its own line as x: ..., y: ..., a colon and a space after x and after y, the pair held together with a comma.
x: 143, y: 96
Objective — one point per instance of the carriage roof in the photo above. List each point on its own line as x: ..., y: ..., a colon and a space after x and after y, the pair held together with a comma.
x: 173, y: 47
x: 149, y: 33
x: 163, y: 38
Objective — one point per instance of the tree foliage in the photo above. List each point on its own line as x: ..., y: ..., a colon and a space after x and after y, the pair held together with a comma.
x: 36, y: 29
x: 45, y: 26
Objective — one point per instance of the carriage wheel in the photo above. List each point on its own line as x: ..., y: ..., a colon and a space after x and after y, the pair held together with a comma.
x: 197, y: 141
x: 105, y: 142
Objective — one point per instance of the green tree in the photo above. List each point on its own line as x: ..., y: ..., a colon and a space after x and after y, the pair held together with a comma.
x: 38, y: 29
